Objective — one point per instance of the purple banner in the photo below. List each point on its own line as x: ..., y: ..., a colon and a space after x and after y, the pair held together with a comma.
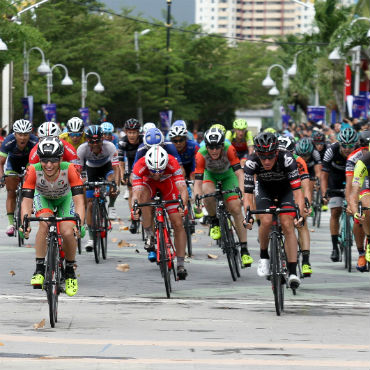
x: 285, y: 117
x: 85, y: 116
x: 316, y: 114
x: 165, y: 119
x: 50, y: 111
x: 360, y: 107
x: 28, y: 108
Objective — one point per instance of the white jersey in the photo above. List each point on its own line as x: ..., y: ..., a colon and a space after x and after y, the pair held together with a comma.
x: 107, y: 154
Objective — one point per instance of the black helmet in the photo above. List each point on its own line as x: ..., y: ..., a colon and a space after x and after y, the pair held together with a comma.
x: 94, y: 133
x: 50, y: 147
x: 318, y: 137
x: 365, y: 138
x: 132, y: 124
x: 265, y: 142
x: 214, y: 136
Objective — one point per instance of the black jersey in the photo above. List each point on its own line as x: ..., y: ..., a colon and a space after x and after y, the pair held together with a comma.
x: 128, y: 150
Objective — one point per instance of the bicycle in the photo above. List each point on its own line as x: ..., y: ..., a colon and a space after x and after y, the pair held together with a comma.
x: 189, y: 221
x: 165, y: 250
x: 228, y: 232
x: 278, y: 261
x: 54, y: 262
x: 316, y: 204
x: 100, y: 224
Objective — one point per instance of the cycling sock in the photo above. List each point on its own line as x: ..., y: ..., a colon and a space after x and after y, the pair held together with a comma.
x: 264, y: 254
x: 91, y: 235
x: 10, y: 218
x: 244, y: 248
x: 70, y: 267
x: 334, y: 240
x: 40, y: 265
x: 180, y: 261
x: 292, y: 268
x: 111, y: 202
x: 305, y: 257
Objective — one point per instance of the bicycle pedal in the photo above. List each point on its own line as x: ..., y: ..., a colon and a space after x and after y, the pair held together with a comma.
x: 37, y: 286
x: 306, y: 275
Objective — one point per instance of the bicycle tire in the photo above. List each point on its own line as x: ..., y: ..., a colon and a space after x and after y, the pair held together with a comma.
x: 226, y: 244
x: 96, y: 224
x: 166, y: 274
x: 299, y: 261
x: 52, y: 277
x: 276, y: 273
x: 188, y: 235
x: 104, y: 231
x: 17, y: 217
x: 349, y: 243
x: 236, y: 254
x: 79, y: 245
x: 318, y: 221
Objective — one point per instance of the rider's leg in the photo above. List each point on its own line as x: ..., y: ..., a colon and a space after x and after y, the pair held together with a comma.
x: 210, y: 203
x: 365, y: 199
x: 334, y: 231
x: 11, y: 184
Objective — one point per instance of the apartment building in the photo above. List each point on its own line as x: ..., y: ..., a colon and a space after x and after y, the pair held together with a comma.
x: 255, y: 18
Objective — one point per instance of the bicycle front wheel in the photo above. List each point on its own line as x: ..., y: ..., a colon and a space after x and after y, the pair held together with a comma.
x: 228, y: 246
x: 52, y: 279
x: 276, y: 273
x: 348, y: 242
x: 96, y: 227
x: 166, y: 274
x: 104, y: 231
x: 17, y: 217
x: 187, y: 227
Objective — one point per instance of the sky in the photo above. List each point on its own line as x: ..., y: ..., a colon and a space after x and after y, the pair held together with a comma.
x: 181, y: 10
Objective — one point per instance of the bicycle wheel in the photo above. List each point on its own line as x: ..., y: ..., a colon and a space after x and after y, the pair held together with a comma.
x: 166, y: 274
x: 276, y: 273
x: 349, y: 243
x: 52, y: 279
x: 236, y: 250
x: 79, y: 245
x: 187, y: 227
x: 17, y: 217
x: 227, y: 244
x: 96, y: 226
x: 104, y: 231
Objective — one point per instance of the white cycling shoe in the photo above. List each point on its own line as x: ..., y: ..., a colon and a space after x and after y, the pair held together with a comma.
x: 294, y: 281
x: 263, y: 268
x: 112, y: 214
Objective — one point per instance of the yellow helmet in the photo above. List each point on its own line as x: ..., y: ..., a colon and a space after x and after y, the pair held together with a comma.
x: 270, y: 129
x: 240, y: 124
x: 220, y: 127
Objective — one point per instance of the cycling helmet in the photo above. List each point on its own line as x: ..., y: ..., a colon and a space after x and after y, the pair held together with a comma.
x: 365, y: 138
x: 214, y: 136
x: 107, y: 128
x: 318, y: 137
x: 177, y: 131
x: 304, y: 147
x: 50, y: 147
x: 148, y: 125
x: 220, y: 127
x: 240, y: 124
x: 348, y: 136
x: 156, y: 159
x: 286, y: 142
x: 75, y: 124
x: 180, y: 123
x: 132, y: 124
x: 270, y: 130
x: 94, y: 133
x: 265, y: 142
x: 48, y: 129
x: 22, y: 126
x: 153, y: 136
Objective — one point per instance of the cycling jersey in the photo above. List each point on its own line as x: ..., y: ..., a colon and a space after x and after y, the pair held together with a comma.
x: 283, y: 176
x: 128, y: 151
x: 311, y: 162
x: 167, y: 146
x: 352, y: 160
x: 188, y: 156
x: 241, y: 147
x: 65, y: 136
x: 362, y: 170
x: 323, y: 150
x: 302, y: 167
x: 107, y: 154
x: 16, y: 158
x: 69, y: 154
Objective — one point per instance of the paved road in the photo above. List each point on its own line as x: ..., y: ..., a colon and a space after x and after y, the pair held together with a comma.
x: 122, y: 320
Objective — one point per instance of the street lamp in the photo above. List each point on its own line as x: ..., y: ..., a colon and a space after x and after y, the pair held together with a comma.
x: 97, y: 88
x: 269, y: 82
x: 49, y: 80
x: 168, y: 25
x: 3, y: 46
x: 43, y: 68
x: 136, y: 39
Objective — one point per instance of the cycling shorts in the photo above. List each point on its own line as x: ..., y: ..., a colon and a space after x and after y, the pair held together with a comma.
x: 64, y: 205
x: 96, y: 174
x: 15, y: 165
x: 229, y: 181
x: 335, y: 202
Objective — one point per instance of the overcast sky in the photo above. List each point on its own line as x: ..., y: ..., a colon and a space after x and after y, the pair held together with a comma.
x: 181, y: 10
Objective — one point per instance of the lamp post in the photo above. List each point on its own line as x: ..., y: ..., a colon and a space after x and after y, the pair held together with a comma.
x: 168, y: 25
x: 269, y: 82
x: 3, y: 46
x: 43, y: 68
x: 136, y: 40
x: 49, y: 80
x: 97, y: 88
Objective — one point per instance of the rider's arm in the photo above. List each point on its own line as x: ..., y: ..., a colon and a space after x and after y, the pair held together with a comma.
x: 240, y: 175
x: 2, y: 163
x: 324, y: 182
x: 353, y: 198
x: 77, y: 190
x: 79, y: 202
x: 317, y: 169
x: 299, y: 199
x: 199, y: 172
x: 28, y: 191
x: 249, y: 201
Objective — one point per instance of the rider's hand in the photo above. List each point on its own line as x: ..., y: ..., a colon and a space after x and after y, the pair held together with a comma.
x: 182, y: 211
x: 79, y: 233
x: 359, y: 217
x: 123, y: 181
x: 298, y: 223
x: 24, y: 234
x: 135, y: 215
x: 248, y: 225
x: 325, y: 200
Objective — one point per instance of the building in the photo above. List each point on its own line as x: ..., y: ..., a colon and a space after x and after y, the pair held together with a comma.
x: 253, y: 19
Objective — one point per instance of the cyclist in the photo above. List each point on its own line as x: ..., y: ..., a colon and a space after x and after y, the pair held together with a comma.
x: 333, y: 176
x: 217, y: 161
x: 101, y: 159
x: 241, y: 138
x: 182, y: 124
x: 53, y: 184
x: 75, y: 132
x: 277, y: 177
x: 52, y: 129
x: 288, y: 143
x: 320, y: 143
x: 361, y: 177
x: 147, y: 126
x: 14, y: 153
x: 160, y: 171
x: 108, y: 133
x: 222, y: 129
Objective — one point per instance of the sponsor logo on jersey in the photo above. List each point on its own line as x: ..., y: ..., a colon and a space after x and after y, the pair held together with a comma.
x: 287, y: 160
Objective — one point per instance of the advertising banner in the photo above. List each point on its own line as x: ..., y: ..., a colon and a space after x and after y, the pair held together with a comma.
x: 165, y: 120
x: 360, y: 107
x: 85, y: 116
x: 348, y: 81
x: 316, y: 114
x: 28, y: 108
x: 50, y: 111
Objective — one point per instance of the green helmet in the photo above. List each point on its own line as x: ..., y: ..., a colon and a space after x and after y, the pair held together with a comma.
x: 348, y: 136
x: 270, y: 129
x: 304, y: 147
x: 240, y: 124
x: 220, y: 127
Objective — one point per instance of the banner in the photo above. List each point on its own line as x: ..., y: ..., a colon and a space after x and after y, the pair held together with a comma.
x: 165, y: 120
x: 85, y: 116
x: 360, y: 107
x: 335, y: 116
x: 50, y: 111
x: 348, y: 81
x: 28, y: 108
x: 316, y: 114
x: 349, y: 105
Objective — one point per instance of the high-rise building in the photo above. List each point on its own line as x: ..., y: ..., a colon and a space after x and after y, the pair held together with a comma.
x: 255, y: 18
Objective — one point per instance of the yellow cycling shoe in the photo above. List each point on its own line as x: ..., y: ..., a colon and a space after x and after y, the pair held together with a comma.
x: 37, y: 279
x: 306, y: 270
x: 198, y: 215
x: 215, y: 232
x: 367, y: 255
x: 247, y: 260
x: 71, y: 287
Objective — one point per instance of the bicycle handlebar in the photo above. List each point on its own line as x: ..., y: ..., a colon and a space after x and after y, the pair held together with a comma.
x: 158, y: 202
x: 93, y: 184
x: 217, y: 193
x: 53, y: 219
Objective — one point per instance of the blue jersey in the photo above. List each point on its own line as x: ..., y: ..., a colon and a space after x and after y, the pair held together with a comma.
x: 167, y: 146
x: 114, y: 140
x: 188, y: 156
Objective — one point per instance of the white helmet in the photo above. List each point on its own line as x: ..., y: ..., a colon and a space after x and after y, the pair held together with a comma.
x: 177, y: 131
x: 75, y: 124
x: 22, y: 126
x: 48, y: 129
x: 156, y: 159
x: 148, y: 125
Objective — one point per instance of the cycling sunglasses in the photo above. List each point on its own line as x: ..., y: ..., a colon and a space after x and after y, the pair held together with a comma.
x: 214, y: 147
x: 75, y: 134
x: 52, y: 160
x: 94, y: 141
x: 178, y: 140
x: 263, y: 156
x: 347, y: 146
